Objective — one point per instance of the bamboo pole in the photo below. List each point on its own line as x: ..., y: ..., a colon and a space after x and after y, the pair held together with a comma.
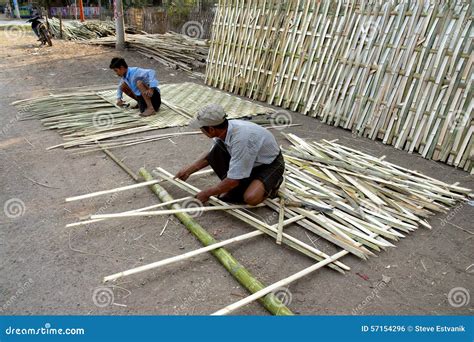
x: 174, y: 211
x: 191, y: 254
x: 182, y: 257
x: 119, y: 162
x: 111, y: 191
x: 81, y: 223
x: 237, y: 270
x: 263, y: 292
x: 281, y: 217
x: 127, y: 187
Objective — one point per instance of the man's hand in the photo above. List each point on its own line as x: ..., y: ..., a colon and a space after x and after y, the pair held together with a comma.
x: 203, y: 196
x: 120, y: 103
x: 183, y: 174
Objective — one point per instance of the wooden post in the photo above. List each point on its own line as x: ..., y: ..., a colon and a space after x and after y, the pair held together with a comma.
x: 81, y: 11
x: 60, y: 24
x: 238, y: 271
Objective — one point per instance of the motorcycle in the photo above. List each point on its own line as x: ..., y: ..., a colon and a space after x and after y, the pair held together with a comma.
x: 40, y: 30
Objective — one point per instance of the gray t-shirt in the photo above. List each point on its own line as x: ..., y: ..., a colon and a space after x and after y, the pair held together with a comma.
x: 249, y: 145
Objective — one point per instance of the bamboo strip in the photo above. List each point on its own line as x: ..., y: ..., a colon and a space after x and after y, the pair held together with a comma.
x: 111, y: 191
x: 172, y: 211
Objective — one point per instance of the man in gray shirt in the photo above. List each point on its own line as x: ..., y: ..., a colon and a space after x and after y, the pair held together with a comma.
x: 245, y: 156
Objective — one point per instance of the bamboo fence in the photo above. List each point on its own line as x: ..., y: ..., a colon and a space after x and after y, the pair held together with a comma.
x: 374, y: 204
x: 399, y: 71
x: 85, y: 117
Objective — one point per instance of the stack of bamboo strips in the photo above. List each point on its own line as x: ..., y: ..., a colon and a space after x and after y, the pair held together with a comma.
x: 75, y: 30
x: 370, y: 196
x: 172, y: 49
x: 84, y: 117
x: 399, y: 71
x: 375, y: 203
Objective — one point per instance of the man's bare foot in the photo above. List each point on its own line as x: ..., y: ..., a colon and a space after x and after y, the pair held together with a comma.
x: 148, y: 112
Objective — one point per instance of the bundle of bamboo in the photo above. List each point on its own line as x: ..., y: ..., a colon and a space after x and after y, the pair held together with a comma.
x: 76, y: 30
x: 85, y: 117
x: 399, y: 71
x: 91, y: 29
x: 374, y: 204
x: 372, y: 200
x: 174, y: 50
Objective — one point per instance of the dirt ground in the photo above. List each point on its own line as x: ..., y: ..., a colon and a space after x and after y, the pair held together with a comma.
x: 46, y: 268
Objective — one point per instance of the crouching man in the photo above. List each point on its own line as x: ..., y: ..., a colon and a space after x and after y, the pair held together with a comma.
x: 140, y: 84
x: 245, y: 156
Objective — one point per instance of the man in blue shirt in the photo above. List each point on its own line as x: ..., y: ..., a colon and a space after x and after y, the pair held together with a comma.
x: 140, y: 84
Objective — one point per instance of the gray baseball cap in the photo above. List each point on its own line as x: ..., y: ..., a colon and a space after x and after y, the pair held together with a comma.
x: 210, y: 115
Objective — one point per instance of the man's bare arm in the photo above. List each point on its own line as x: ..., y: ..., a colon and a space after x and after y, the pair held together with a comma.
x: 224, y: 186
x: 187, y: 171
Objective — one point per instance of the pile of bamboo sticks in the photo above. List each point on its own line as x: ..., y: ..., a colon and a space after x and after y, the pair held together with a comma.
x: 373, y: 203
x: 86, y: 117
x: 80, y: 31
x: 75, y: 30
x: 172, y: 49
x: 399, y: 71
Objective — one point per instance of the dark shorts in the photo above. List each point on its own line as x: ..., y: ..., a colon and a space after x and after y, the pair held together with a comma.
x: 155, y: 101
x: 271, y: 175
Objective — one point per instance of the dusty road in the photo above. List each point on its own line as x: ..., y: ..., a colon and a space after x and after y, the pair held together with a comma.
x: 48, y: 269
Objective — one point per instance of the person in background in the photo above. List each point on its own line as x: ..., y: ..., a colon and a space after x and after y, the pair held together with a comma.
x: 140, y: 84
